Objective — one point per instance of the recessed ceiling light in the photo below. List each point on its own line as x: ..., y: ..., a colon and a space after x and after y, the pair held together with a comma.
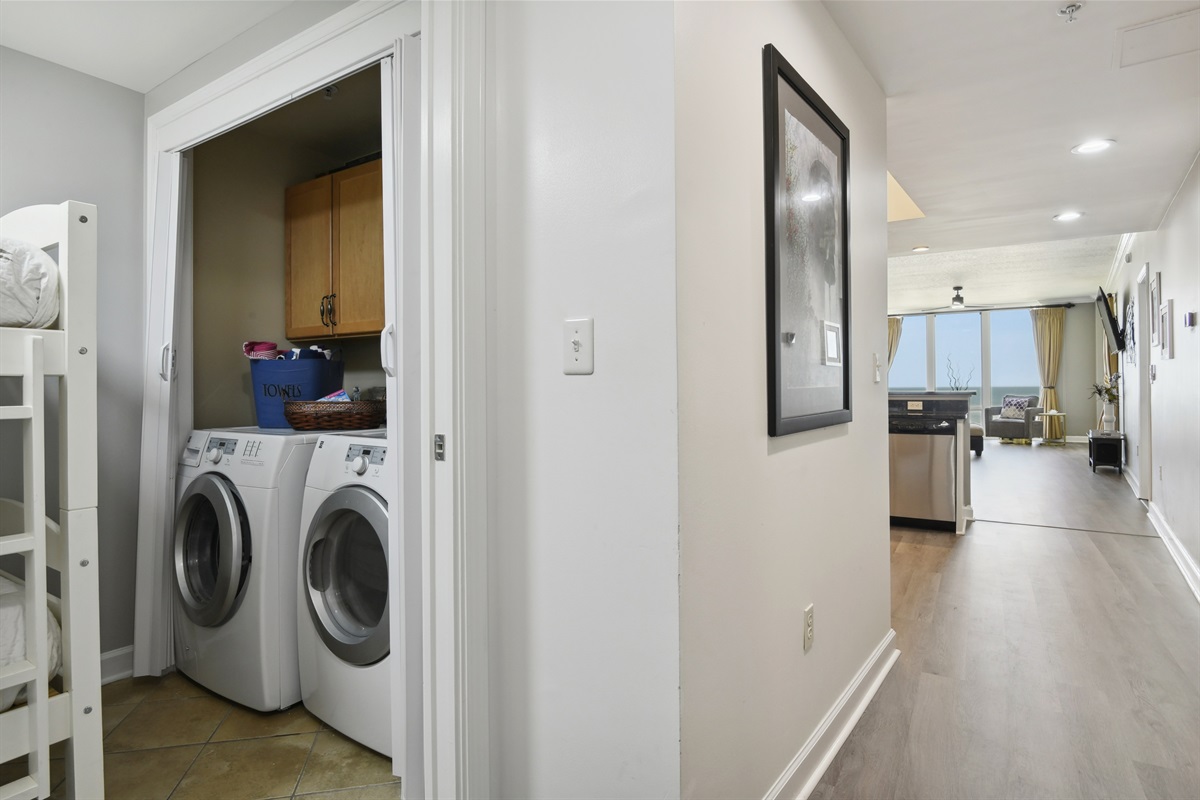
x: 921, y: 248
x: 811, y: 197
x: 1068, y: 216
x: 1093, y: 146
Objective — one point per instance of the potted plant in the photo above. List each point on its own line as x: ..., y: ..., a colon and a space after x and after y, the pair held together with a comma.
x: 1107, y: 392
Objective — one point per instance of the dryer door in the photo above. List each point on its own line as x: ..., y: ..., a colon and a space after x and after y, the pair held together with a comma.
x: 212, y: 550
x: 346, y: 574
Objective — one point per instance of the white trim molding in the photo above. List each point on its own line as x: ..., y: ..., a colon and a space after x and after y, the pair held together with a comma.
x: 1187, y: 564
x: 806, y: 769
x: 1132, y: 480
x: 116, y: 664
x: 454, y: 249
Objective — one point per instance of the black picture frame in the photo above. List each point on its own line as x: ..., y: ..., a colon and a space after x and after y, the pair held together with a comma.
x: 807, y: 158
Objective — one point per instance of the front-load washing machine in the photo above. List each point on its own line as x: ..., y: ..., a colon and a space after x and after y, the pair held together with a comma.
x: 237, y: 524
x: 342, y: 628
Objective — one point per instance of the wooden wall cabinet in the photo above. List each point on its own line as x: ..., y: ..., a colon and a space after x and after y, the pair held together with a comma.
x: 333, y: 231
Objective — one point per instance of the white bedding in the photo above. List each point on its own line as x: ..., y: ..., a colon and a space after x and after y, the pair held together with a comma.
x: 12, y: 636
x: 28, y: 285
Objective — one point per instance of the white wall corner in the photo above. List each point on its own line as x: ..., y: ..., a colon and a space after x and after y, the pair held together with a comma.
x: 116, y: 664
x: 809, y: 765
x: 1132, y: 480
x: 1187, y: 565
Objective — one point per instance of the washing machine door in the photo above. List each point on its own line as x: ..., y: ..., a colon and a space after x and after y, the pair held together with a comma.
x: 212, y: 550
x: 345, y: 569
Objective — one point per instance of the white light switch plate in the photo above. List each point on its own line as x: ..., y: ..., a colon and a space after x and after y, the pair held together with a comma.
x: 579, y: 354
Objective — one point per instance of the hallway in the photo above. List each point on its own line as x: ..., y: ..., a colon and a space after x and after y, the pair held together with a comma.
x: 1036, y: 662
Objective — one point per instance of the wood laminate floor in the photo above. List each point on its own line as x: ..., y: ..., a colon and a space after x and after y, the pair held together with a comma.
x: 1053, y: 485
x: 1036, y: 662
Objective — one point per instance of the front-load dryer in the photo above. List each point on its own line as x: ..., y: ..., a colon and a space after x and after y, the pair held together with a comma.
x: 342, y: 628
x: 237, y: 524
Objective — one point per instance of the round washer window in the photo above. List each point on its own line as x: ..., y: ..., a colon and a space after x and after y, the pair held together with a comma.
x: 212, y: 550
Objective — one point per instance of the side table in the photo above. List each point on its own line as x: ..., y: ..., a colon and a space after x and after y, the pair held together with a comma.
x: 1105, y: 449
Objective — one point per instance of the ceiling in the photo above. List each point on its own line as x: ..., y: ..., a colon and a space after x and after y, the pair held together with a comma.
x: 985, y: 102
x: 131, y: 43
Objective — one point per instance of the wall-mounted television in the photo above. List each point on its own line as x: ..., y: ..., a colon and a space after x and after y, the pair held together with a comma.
x: 1112, y: 331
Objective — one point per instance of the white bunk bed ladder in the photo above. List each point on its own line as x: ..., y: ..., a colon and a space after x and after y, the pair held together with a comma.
x: 31, y: 543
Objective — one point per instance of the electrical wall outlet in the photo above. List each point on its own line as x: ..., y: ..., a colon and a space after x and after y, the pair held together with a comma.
x: 808, y: 627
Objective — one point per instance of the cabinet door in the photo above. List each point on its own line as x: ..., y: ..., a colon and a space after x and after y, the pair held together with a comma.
x: 307, y: 236
x: 358, y: 249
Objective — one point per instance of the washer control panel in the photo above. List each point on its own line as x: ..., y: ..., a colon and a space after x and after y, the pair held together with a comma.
x: 219, y: 448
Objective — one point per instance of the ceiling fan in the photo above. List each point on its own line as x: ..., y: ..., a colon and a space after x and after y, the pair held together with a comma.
x: 957, y: 303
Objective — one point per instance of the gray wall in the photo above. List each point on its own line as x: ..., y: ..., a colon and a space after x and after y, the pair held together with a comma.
x: 583, y: 541
x: 1077, y: 370
x: 68, y: 136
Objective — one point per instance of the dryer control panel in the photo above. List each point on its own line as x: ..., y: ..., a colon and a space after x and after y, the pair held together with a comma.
x: 374, y: 454
x: 363, y: 457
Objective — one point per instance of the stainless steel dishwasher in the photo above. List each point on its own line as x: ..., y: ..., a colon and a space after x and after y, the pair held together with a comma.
x: 923, y: 471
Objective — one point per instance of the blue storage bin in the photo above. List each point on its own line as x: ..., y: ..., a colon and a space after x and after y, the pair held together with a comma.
x: 304, y: 379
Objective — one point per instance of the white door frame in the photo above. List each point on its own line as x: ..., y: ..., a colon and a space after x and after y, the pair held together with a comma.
x: 445, y: 340
x: 1143, y: 354
x: 454, y: 246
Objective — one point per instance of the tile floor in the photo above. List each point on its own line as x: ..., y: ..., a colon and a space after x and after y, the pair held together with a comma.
x: 170, y: 738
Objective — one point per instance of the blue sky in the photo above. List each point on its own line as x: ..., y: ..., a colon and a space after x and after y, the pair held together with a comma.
x: 1014, y: 360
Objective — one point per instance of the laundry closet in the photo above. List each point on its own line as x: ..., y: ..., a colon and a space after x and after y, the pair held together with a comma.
x: 287, y: 244
x: 297, y: 225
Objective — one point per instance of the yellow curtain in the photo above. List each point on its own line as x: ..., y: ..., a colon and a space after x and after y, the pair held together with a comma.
x: 1048, y: 341
x: 894, y: 326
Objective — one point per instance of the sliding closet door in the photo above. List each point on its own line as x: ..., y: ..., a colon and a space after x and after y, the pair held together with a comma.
x: 401, y: 358
x: 153, y: 652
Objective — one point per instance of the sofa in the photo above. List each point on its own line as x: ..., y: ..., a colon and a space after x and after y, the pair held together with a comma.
x: 1023, y: 429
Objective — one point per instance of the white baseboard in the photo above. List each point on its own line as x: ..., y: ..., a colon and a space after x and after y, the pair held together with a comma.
x: 806, y: 769
x: 116, y: 664
x: 1132, y: 480
x: 1187, y: 565
x: 1077, y: 440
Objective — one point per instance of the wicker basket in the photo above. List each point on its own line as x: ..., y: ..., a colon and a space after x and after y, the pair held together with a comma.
x: 310, y: 415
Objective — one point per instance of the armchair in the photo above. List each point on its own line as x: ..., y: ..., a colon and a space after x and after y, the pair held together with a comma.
x: 1024, y: 429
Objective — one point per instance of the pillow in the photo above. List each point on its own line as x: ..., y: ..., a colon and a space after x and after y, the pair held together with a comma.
x: 1014, y: 407
x: 28, y: 285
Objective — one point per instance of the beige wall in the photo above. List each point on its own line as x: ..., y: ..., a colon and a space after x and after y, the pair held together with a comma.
x: 239, y: 181
x: 769, y: 525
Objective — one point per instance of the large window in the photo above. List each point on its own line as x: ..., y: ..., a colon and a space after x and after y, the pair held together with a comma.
x: 1014, y: 359
x: 958, y: 354
x: 907, y: 373
x: 989, y: 353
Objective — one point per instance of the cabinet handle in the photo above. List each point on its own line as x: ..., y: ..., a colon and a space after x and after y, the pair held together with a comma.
x: 324, y: 300
x: 332, y: 317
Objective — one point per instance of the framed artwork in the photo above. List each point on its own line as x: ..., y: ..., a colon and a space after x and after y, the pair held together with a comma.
x: 1165, y: 334
x: 807, y: 150
x: 1155, y: 304
x: 1130, y: 331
